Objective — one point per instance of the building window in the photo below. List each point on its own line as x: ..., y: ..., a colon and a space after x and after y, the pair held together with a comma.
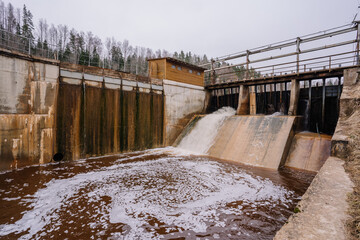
x: 198, y: 73
x: 179, y: 68
x: 190, y: 71
x: 173, y: 66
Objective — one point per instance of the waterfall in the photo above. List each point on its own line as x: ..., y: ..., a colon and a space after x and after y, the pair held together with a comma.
x: 202, y: 136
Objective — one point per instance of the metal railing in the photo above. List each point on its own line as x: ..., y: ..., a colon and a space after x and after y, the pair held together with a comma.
x: 32, y: 47
x: 27, y: 46
x: 344, y: 52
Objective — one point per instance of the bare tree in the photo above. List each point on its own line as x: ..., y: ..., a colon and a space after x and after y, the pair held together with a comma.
x: 11, y: 20
x: 158, y: 53
x: 53, y: 37
x: 2, y: 15
x: 126, y: 51
x: 42, y: 30
x: 63, y: 36
x: 165, y: 53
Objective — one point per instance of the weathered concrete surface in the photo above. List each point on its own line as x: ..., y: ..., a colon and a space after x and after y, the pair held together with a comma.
x: 92, y: 112
x: 309, y: 151
x: 182, y: 101
x: 28, y: 91
x: 294, y: 97
x: 255, y: 140
x: 252, y: 101
x: 244, y: 99
x: 349, y: 114
x: 94, y: 119
x: 323, y: 207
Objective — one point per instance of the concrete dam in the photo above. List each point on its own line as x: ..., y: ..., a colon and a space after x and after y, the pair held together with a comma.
x: 166, y: 157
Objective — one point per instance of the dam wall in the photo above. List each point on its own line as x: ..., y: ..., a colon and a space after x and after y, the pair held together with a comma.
x: 309, y: 151
x: 105, y: 114
x: 28, y: 95
x: 47, y: 106
x: 255, y: 140
x: 182, y: 102
x: 348, y: 125
x: 325, y: 210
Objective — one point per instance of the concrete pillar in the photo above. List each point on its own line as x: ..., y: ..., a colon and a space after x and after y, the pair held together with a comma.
x: 253, y: 101
x: 243, y: 106
x: 294, y: 97
x: 207, y: 101
x: 351, y: 76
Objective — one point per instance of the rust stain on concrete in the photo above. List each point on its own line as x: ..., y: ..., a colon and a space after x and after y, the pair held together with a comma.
x: 254, y: 140
x: 309, y: 151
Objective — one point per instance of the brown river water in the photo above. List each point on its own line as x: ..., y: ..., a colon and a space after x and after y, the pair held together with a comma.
x: 153, y: 194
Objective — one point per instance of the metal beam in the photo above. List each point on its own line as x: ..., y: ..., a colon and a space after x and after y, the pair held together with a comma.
x: 323, y: 104
x: 335, y: 72
x: 285, y: 44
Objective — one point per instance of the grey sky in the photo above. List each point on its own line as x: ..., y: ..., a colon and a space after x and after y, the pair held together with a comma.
x: 215, y: 28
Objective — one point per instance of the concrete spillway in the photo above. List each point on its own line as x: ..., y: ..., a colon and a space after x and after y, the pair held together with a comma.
x: 254, y: 140
x: 309, y: 151
x: 263, y: 141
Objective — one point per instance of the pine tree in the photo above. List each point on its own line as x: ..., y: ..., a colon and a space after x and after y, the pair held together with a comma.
x: 28, y: 25
x: 176, y: 55
x: 95, y: 60
x: 182, y: 55
x: 18, y: 29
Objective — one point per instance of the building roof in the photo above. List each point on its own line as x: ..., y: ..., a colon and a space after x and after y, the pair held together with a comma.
x: 179, y: 62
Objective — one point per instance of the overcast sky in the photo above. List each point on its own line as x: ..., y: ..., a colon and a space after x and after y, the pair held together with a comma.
x: 212, y: 27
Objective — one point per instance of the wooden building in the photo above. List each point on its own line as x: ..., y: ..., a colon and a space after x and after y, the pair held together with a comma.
x: 176, y: 70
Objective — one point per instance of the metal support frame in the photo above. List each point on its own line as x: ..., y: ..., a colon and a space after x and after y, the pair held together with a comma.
x: 358, y: 43
x: 298, y: 40
x: 323, y: 103
x: 325, y: 62
x: 286, y: 98
x: 256, y: 98
x: 310, y: 100
x: 338, y: 95
x: 275, y: 97
x: 265, y: 99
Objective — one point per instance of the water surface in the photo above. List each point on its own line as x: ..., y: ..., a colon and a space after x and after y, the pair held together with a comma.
x: 153, y: 194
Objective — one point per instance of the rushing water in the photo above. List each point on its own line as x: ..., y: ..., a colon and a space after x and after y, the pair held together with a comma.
x: 202, y: 136
x: 147, y: 195
x: 153, y: 194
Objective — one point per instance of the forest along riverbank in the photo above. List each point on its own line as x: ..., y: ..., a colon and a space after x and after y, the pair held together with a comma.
x: 147, y: 194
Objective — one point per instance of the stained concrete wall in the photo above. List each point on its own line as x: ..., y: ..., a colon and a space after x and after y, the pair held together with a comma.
x: 100, y: 115
x: 28, y: 90
x: 309, y: 151
x: 182, y: 102
x: 48, y: 107
x: 254, y: 140
x: 349, y: 114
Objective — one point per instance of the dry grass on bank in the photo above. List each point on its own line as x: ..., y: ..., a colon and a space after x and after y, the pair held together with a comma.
x: 352, y: 166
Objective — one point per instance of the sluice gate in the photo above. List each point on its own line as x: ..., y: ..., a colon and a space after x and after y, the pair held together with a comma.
x: 318, y: 104
x: 302, y: 79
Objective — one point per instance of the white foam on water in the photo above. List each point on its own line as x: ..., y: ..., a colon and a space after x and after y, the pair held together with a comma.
x: 178, y: 192
x: 203, y: 134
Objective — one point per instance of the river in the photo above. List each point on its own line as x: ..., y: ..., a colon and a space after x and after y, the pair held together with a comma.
x: 152, y: 194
